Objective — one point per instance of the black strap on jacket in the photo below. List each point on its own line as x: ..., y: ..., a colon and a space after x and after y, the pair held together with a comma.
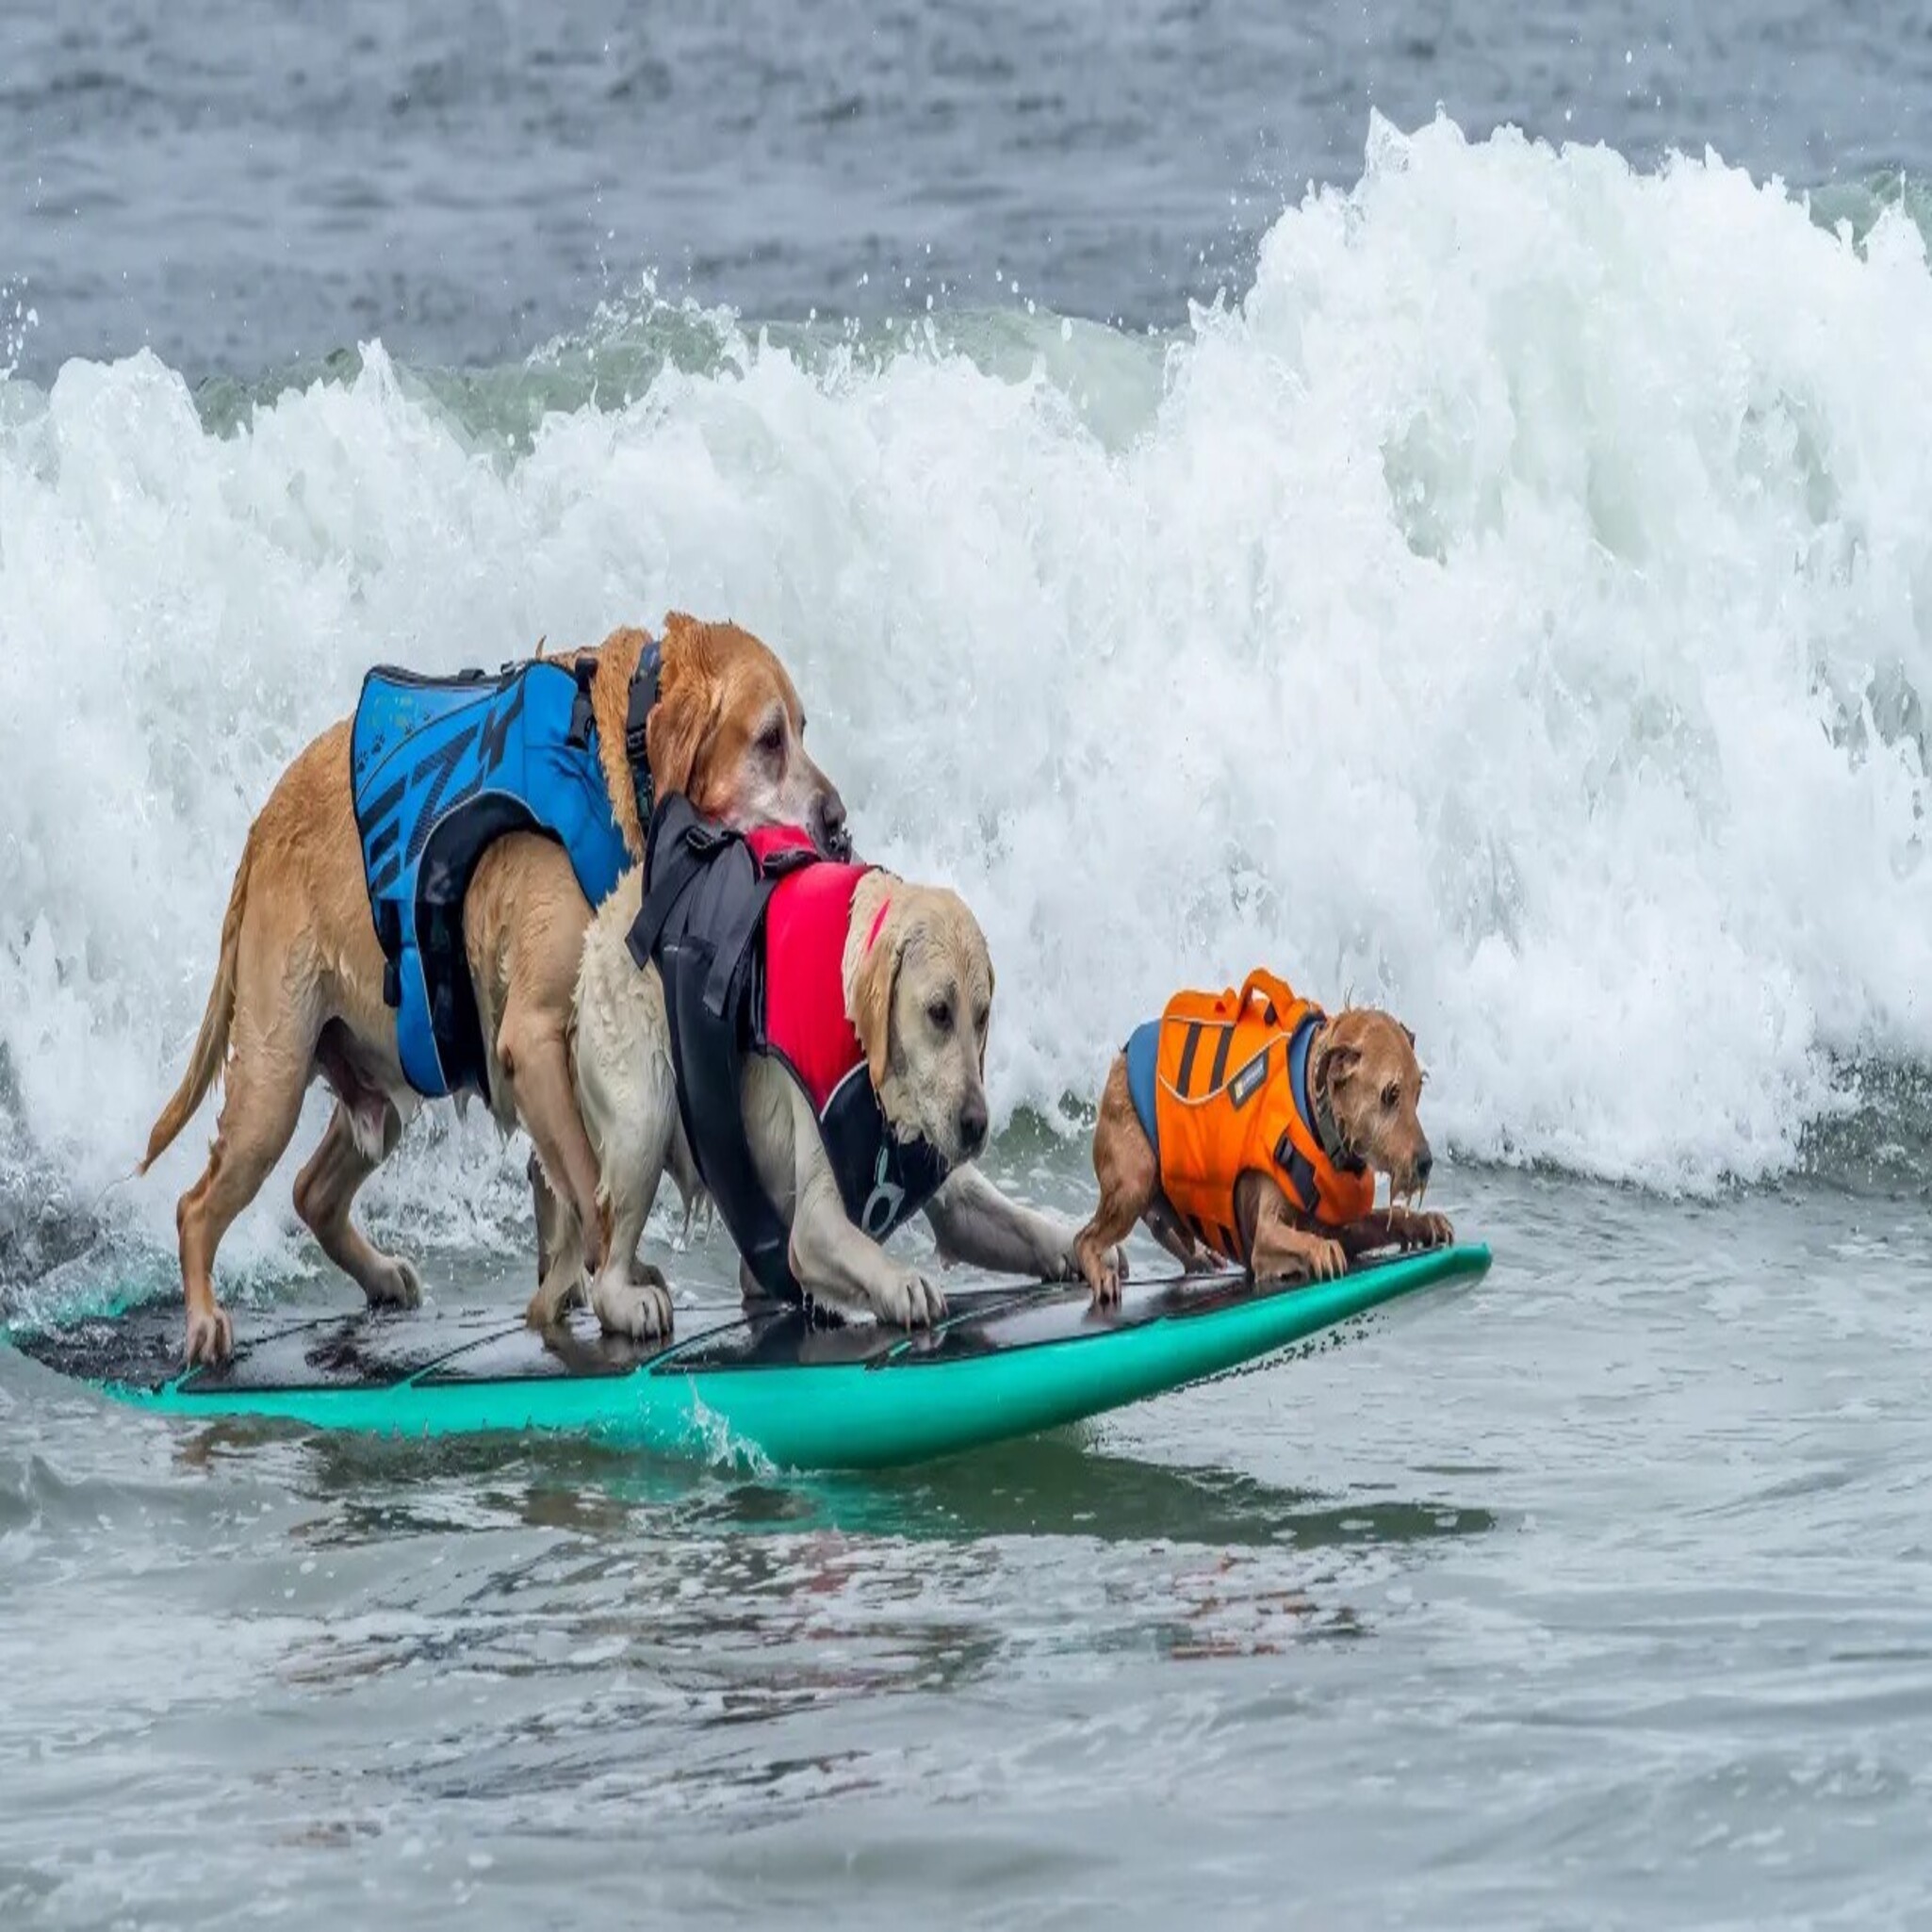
x: 637, y: 711
x: 638, y: 707
x: 705, y: 897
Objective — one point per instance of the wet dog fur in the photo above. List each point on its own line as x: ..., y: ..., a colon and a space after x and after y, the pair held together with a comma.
x: 1363, y: 1062
x: 298, y: 990
x: 920, y: 997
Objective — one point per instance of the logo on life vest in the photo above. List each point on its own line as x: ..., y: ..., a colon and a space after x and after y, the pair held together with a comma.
x: 1245, y: 1083
x: 880, y: 1214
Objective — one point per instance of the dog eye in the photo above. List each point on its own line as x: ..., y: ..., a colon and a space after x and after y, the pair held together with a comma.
x: 979, y: 1020
x: 941, y: 1014
x: 1390, y: 1094
x: 771, y: 739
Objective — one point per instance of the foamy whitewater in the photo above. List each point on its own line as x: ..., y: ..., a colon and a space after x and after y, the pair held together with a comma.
x: 1513, y: 609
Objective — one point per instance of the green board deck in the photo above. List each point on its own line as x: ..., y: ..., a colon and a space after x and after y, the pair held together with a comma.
x: 1005, y: 1362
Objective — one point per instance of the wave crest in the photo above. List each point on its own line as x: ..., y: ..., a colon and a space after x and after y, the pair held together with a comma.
x: 1513, y: 609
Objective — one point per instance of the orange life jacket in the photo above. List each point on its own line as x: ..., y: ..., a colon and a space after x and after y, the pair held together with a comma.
x: 1228, y: 1092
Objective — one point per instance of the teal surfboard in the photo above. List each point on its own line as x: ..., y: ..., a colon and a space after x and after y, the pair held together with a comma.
x: 1005, y: 1362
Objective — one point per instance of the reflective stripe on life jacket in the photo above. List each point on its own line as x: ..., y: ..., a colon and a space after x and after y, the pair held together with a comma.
x: 441, y: 768
x: 1229, y: 1093
x: 748, y: 932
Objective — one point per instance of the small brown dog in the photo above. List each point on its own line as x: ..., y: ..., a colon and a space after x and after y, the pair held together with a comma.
x: 1254, y: 1125
x: 300, y: 981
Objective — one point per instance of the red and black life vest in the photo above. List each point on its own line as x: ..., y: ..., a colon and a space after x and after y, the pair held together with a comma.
x: 748, y: 931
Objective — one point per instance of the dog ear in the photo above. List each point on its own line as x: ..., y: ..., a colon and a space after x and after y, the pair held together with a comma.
x: 1338, y: 1064
x: 992, y: 981
x: 1408, y: 1032
x: 616, y: 660
x: 873, y: 986
x: 683, y: 721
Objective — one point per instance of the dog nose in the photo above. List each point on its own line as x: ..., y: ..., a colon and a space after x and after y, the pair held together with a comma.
x: 1425, y: 1166
x: 973, y: 1127
x: 834, y: 841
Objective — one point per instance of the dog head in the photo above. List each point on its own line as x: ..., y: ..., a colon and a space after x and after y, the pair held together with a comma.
x: 1364, y: 1062
x: 728, y: 732
x: 918, y: 991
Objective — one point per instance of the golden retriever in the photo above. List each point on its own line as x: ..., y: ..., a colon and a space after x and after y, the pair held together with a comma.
x: 917, y: 985
x: 1230, y: 1141
x: 297, y: 988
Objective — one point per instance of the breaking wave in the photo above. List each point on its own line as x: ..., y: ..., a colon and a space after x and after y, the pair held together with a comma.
x: 1515, y: 608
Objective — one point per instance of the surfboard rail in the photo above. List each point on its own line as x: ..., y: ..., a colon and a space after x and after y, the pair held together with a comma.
x: 770, y: 1387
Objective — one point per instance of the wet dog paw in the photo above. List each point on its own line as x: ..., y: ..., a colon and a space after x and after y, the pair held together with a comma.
x: 1428, y: 1231
x: 398, y: 1285
x: 1328, y: 1262
x: 907, y: 1300
x: 637, y: 1305
x: 1102, y: 1268
x: 1061, y: 1261
x: 210, y: 1335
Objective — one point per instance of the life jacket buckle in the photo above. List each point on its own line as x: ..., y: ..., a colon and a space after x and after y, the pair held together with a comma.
x: 785, y: 858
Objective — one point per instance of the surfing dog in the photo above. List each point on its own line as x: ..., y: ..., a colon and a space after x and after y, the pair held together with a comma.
x: 300, y: 982
x: 1252, y: 1125
x: 861, y: 1102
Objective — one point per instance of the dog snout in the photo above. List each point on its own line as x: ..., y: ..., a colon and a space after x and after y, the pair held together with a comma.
x: 971, y: 1125
x: 1425, y: 1164
x: 828, y: 825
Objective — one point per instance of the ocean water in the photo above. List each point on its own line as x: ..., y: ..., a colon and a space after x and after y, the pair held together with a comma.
x: 1443, y: 510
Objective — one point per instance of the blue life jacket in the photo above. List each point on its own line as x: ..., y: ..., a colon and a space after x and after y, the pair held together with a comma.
x: 441, y: 768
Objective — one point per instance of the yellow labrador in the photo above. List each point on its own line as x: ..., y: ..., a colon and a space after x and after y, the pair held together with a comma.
x: 914, y: 981
x: 299, y: 981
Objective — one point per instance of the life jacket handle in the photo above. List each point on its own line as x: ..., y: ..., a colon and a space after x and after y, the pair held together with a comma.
x: 1275, y: 994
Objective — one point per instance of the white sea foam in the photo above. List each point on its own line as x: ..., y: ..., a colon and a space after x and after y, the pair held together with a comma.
x: 1515, y: 608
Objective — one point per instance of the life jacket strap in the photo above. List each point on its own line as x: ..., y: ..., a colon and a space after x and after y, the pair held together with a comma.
x: 734, y: 939
x: 642, y: 702
x: 692, y: 848
x: 388, y: 918
x: 583, y: 718
x: 1276, y: 995
x: 1322, y: 1118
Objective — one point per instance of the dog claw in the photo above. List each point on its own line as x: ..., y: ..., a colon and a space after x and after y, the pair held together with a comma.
x: 402, y: 1289
x: 1103, y: 1271
x: 1427, y: 1230
x: 210, y: 1335
x: 639, y: 1309
x: 910, y: 1300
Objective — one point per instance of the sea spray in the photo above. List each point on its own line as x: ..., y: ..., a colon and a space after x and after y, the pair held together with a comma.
x: 1511, y: 609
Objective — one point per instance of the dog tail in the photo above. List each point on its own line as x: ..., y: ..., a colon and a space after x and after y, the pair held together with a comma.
x: 211, y: 1042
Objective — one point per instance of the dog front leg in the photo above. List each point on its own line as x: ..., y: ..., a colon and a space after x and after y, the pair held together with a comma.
x: 975, y: 1223
x: 840, y: 1264
x: 833, y: 1260
x: 1281, y: 1249
x: 1394, y: 1227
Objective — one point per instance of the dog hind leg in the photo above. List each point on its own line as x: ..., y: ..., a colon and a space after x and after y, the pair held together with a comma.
x: 326, y: 1189
x: 1129, y: 1177
x: 535, y: 1061
x: 1168, y: 1228
x: 630, y: 1297
x: 273, y: 1053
